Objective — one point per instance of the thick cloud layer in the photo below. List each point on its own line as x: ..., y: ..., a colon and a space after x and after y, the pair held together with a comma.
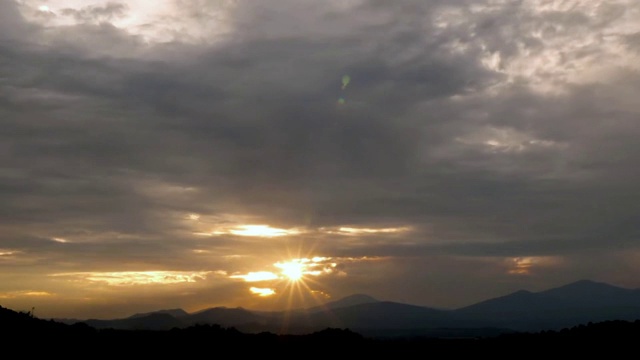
x: 495, y: 141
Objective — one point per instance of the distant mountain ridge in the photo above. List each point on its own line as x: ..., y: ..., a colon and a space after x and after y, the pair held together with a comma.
x: 579, y: 302
x: 580, y: 294
x: 569, y: 305
x: 176, y: 313
x: 352, y: 300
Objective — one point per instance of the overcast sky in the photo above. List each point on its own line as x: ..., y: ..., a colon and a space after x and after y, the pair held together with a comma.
x: 200, y: 153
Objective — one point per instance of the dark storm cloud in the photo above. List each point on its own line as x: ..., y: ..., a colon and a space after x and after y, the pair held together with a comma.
x: 282, y: 123
x: 289, y: 136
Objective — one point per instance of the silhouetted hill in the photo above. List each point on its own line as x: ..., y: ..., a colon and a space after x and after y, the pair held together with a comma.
x: 513, y: 303
x: 384, y: 314
x: 22, y: 326
x: 573, y: 304
x: 576, y: 303
x: 383, y: 318
x: 35, y: 337
x: 167, y: 319
x: 153, y: 321
x: 12, y: 321
x: 351, y: 300
x: 590, y: 293
x: 223, y: 316
x: 357, y: 299
x: 176, y: 313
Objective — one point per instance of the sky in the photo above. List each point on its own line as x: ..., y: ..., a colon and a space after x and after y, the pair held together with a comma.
x: 283, y: 153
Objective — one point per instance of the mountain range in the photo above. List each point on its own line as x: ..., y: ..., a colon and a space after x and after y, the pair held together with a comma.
x: 573, y: 304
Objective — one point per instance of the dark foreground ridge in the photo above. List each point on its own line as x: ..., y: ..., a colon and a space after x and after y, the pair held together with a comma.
x: 20, y: 328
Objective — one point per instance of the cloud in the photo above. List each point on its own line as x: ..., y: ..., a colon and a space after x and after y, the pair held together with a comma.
x: 7, y: 252
x: 254, y: 231
x: 19, y: 294
x: 152, y: 23
x: 350, y: 231
x: 130, y: 278
x: 469, y: 130
x: 262, y: 291
x: 256, y: 276
x: 97, y: 13
x: 528, y: 265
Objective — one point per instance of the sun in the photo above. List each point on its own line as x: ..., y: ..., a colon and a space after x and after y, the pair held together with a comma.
x: 292, y: 270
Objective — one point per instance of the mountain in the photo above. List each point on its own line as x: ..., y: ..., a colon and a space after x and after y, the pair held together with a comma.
x: 176, y: 313
x: 519, y: 301
x: 46, y: 338
x: 361, y: 313
x: 382, y: 315
x: 151, y: 321
x: 23, y: 326
x: 177, y: 318
x: 569, y: 305
x: 356, y: 299
x: 591, y: 293
x: 576, y: 303
x: 224, y: 316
